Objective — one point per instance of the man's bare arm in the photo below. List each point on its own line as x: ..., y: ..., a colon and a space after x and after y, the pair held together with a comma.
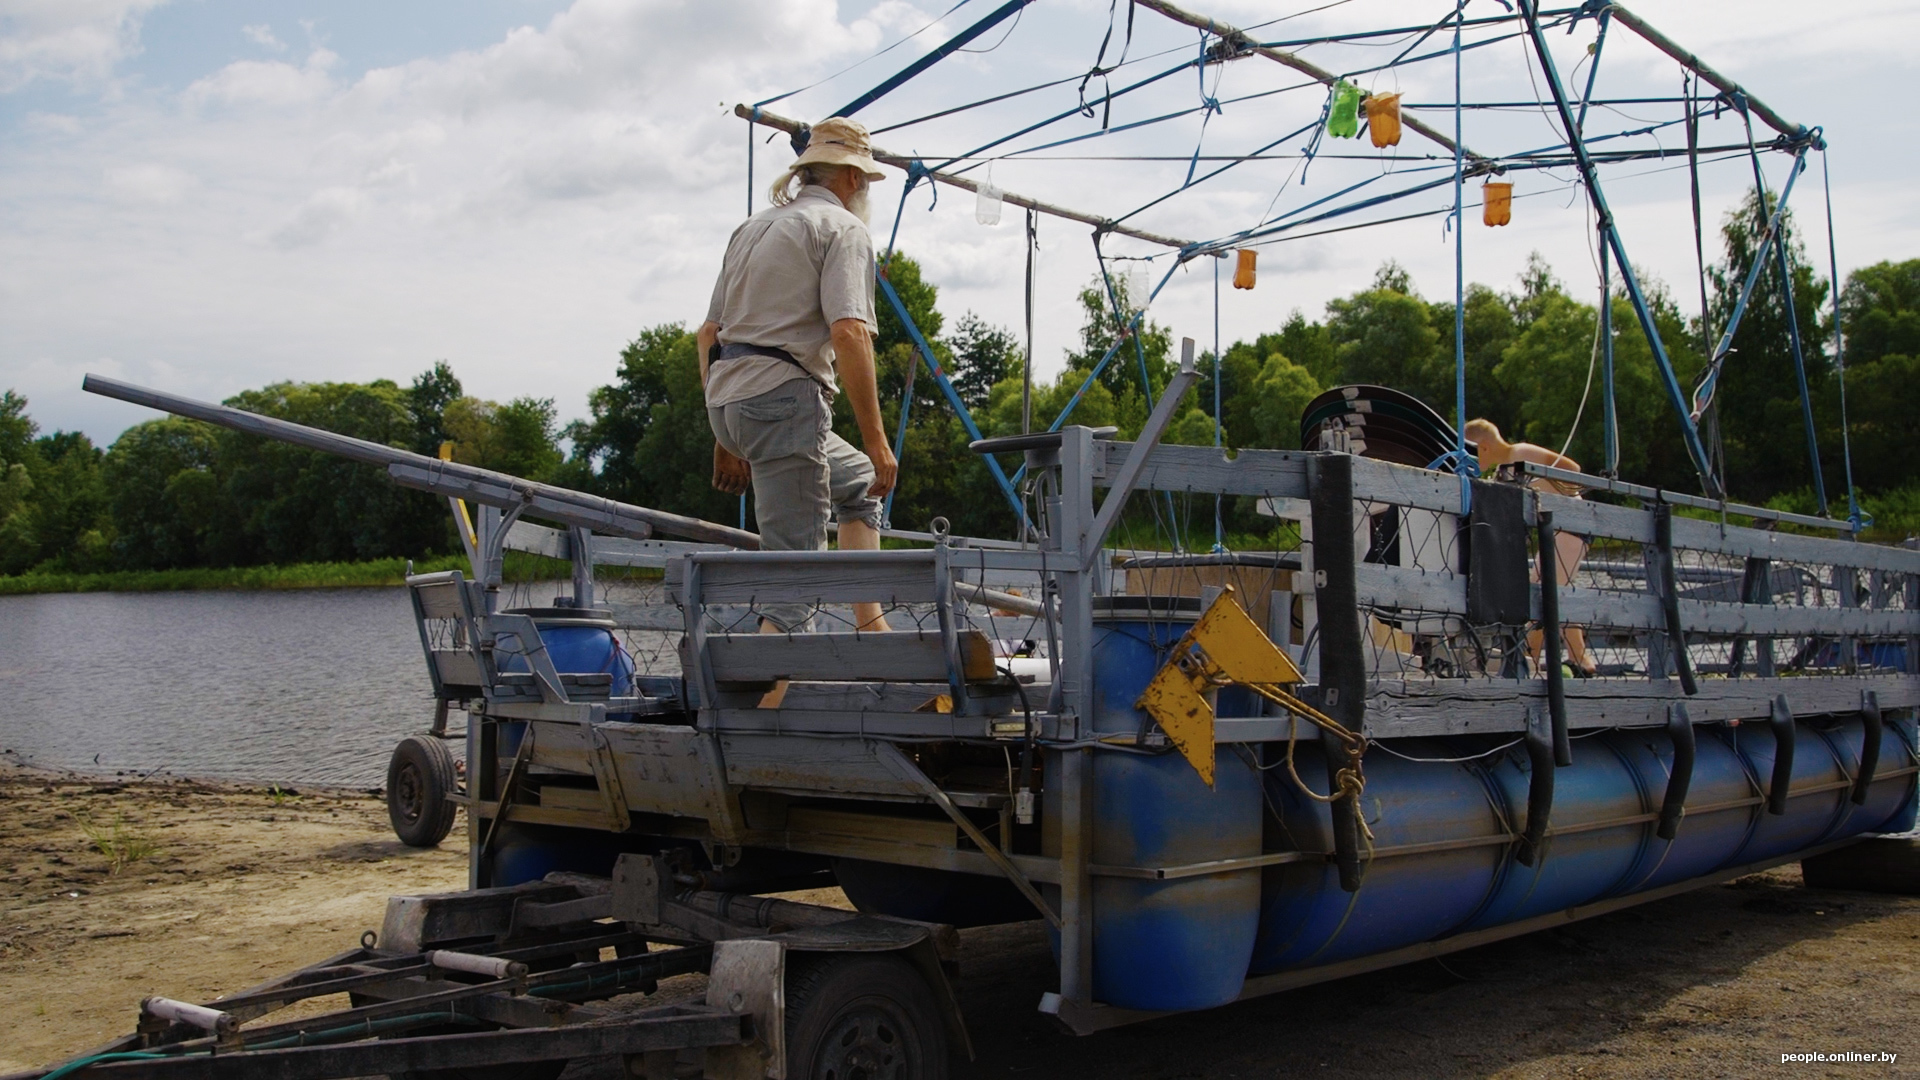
x: 704, y: 338
x: 1540, y: 455
x: 853, y: 348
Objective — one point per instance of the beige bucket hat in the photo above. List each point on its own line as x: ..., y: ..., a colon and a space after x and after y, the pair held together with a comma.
x: 840, y: 141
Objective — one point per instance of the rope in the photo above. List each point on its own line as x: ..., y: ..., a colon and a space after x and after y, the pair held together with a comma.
x: 1699, y: 233
x: 1459, y: 278
x: 1855, y: 516
x: 1785, y: 270
x: 1209, y: 105
x: 1219, y: 529
x: 1095, y: 72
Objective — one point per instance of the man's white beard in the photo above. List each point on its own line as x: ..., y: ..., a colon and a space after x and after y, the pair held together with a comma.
x: 857, y: 206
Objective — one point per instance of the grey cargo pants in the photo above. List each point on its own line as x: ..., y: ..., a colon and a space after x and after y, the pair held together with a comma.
x: 801, y: 472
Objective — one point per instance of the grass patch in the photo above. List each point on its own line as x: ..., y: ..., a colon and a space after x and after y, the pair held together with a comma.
x: 120, y: 843
x: 520, y: 566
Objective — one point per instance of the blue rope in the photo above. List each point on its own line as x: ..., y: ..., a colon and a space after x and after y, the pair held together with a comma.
x: 1856, y: 517
x: 1209, y: 105
x: 1786, y: 293
x: 1056, y: 118
x: 1140, y: 354
x: 916, y: 171
x: 1243, y: 159
x: 1459, y: 281
x: 1219, y: 529
x: 1074, y: 402
x: 857, y: 63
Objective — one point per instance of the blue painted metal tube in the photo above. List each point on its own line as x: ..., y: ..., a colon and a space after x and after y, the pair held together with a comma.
x: 953, y: 396
x: 1703, y: 396
x: 1611, y: 233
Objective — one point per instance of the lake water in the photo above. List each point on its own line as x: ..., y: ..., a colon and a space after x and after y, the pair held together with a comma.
x: 305, y: 686
x: 294, y: 686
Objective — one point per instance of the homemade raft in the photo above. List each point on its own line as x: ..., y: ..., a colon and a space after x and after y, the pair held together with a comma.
x: 1390, y: 777
x: 1215, y: 776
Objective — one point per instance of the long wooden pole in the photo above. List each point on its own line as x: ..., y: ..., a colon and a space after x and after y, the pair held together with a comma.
x: 1699, y: 67
x: 901, y: 161
x: 1278, y: 56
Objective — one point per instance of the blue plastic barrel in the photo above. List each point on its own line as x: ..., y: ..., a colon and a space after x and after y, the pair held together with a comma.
x: 580, y: 641
x: 522, y: 852
x: 1602, y: 841
x: 1181, y: 943
x: 1307, y: 919
x: 1721, y: 801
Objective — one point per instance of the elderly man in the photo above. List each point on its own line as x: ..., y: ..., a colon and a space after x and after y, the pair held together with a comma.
x: 793, y: 305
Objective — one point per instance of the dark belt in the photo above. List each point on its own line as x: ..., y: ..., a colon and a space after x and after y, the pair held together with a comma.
x: 738, y: 349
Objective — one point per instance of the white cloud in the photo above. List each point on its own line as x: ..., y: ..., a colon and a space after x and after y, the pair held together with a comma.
x: 525, y: 208
x: 158, y: 185
x: 325, y: 212
x: 266, y: 82
x: 262, y: 35
x: 78, y: 41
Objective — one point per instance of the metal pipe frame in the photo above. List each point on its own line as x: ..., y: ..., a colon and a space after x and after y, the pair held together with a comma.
x: 1611, y: 234
x: 953, y: 397
x: 1703, y: 395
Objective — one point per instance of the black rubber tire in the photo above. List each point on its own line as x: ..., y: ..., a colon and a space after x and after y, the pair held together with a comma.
x: 862, y: 1017
x: 419, y: 778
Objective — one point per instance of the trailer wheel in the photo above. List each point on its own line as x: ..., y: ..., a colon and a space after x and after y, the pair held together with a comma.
x: 862, y: 1017
x: 419, y: 779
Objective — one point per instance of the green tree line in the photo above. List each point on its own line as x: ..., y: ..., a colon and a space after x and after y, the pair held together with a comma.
x: 174, y: 493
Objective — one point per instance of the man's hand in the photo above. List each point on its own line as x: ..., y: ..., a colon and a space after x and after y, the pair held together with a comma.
x: 886, y: 468
x: 853, y: 352
x: 731, y: 474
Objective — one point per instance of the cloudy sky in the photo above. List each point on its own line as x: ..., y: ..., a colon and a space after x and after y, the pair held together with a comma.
x: 209, y: 195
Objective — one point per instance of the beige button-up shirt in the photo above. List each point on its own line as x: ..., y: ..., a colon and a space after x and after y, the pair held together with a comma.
x: 790, y: 273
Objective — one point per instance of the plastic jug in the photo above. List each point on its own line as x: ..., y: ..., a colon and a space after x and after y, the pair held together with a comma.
x: 1496, y: 201
x: 1343, y: 115
x: 1383, y: 119
x: 1243, y: 268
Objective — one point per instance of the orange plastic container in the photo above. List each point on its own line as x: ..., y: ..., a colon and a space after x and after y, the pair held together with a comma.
x: 1496, y: 202
x: 1243, y: 269
x: 1383, y: 119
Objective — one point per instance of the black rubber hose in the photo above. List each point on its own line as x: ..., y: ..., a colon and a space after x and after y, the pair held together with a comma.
x: 1670, y: 598
x: 1680, y: 730
x: 1550, y: 630
x: 1783, y: 738
x: 1539, y: 794
x: 1870, y: 736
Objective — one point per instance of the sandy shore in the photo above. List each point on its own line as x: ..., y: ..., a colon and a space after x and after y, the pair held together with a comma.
x: 241, y: 883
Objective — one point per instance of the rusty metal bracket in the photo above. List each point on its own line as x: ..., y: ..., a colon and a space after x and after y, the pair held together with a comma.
x: 1223, y: 647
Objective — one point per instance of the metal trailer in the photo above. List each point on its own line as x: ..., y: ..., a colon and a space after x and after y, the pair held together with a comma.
x: 1388, y: 779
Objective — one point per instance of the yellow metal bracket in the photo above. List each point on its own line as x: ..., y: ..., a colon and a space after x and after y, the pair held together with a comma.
x: 1224, y: 647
